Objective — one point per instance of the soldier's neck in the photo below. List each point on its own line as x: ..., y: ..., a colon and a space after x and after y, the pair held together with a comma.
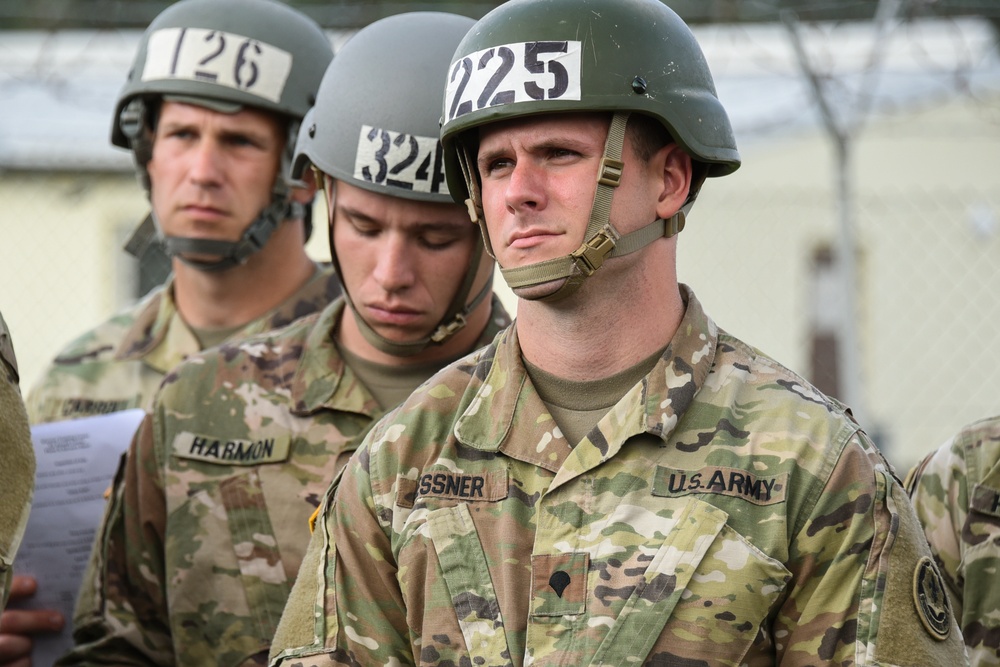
x: 609, y: 325
x: 242, y: 293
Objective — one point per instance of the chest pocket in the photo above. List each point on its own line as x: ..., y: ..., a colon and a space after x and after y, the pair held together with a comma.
x: 980, y: 536
x: 985, y: 501
x: 696, y: 589
x: 229, y: 582
x: 656, y: 595
x: 466, y: 575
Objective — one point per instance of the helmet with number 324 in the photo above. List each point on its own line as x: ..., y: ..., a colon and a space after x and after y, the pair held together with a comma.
x: 225, y: 55
x: 379, y: 108
x: 624, y: 57
x: 375, y: 126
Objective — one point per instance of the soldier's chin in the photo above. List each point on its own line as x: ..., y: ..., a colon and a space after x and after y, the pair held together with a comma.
x: 540, y: 291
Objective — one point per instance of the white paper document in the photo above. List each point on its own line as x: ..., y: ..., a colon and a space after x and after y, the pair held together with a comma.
x: 76, y: 463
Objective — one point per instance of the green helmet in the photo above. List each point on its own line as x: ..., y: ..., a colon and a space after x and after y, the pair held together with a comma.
x: 530, y: 57
x: 375, y: 125
x: 225, y: 55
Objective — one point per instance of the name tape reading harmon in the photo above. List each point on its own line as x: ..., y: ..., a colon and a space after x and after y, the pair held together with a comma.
x: 222, y: 58
x: 513, y: 73
x: 231, y: 451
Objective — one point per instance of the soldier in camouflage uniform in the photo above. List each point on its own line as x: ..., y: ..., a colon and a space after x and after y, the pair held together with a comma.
x: 270, y: 59
x: 956, y: 493
x: 17, y: 462
x: 615, y: 480
x: 209, y: 522
x: 210, y: 111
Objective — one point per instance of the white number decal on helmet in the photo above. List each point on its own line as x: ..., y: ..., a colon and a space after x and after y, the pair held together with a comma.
x: 399, y: 160
x: 214, y: 56
x: 512, y: 73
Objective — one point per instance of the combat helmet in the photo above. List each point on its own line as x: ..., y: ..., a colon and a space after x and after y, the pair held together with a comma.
x: 530, y: 57
x: 225, y: 55
x: 375, y: 125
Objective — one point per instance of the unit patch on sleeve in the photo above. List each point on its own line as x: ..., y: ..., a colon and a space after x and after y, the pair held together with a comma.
x: 674, y: 483
x: 238, y: 452
x: 931, y: 600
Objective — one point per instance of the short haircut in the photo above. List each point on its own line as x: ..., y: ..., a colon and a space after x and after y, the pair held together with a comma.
x: 647, y: 135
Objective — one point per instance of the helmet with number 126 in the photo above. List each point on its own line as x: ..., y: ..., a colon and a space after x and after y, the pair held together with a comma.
x: 224, y: 55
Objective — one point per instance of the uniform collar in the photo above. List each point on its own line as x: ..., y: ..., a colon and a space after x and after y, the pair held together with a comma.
x: 161, y: 339
x: 322, y: 380
x: 654, y: 406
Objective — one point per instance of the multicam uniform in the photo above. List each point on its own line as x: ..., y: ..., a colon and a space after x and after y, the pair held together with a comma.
x: 723, y: 512
x: 204, y: 538
x: 17, y: 462
x: 119, y: 364
x: 956, y: 493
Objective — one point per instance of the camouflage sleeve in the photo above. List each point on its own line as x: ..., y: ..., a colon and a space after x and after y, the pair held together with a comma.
x: 940, y: 496
x: 128, y: 624
x: 351, y: 583
x: 302, y: 629
x: 956, y: 493
x: 17, y: 464
x: 868, y: 592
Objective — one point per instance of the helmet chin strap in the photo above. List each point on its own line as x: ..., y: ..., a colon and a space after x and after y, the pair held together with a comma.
x: 233, y: 253
x: 602, y: 240
x: 454, y: 319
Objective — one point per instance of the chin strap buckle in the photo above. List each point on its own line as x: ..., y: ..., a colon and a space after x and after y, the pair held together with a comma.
x: 446, y: 331
x: 591, y: 255
x: 610, y: 172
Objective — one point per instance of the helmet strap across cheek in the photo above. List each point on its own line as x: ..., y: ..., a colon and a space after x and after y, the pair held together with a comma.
x: 234, y: 253
x: 601, y: 239
x: 475, y: 200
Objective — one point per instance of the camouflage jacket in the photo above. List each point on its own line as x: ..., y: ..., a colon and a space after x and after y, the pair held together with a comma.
x: 209, y: 520
x: 17, y: 462
x: 119, y: 364
x: 956, y: 493
x: 723, y: 512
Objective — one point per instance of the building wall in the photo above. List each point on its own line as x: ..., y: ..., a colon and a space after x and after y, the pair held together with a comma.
x: 62, y: 269
x: 927, y: 205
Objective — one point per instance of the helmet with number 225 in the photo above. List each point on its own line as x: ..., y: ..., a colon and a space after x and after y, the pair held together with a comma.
x: 529, y: 57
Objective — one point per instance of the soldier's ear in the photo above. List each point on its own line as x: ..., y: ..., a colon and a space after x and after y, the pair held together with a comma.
x: 677, y: 173
x: 305, y: 188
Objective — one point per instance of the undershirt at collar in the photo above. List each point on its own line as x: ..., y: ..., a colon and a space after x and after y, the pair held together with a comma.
x: 577, y: 406
x: 211, y: 337
x: 390, y: 385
